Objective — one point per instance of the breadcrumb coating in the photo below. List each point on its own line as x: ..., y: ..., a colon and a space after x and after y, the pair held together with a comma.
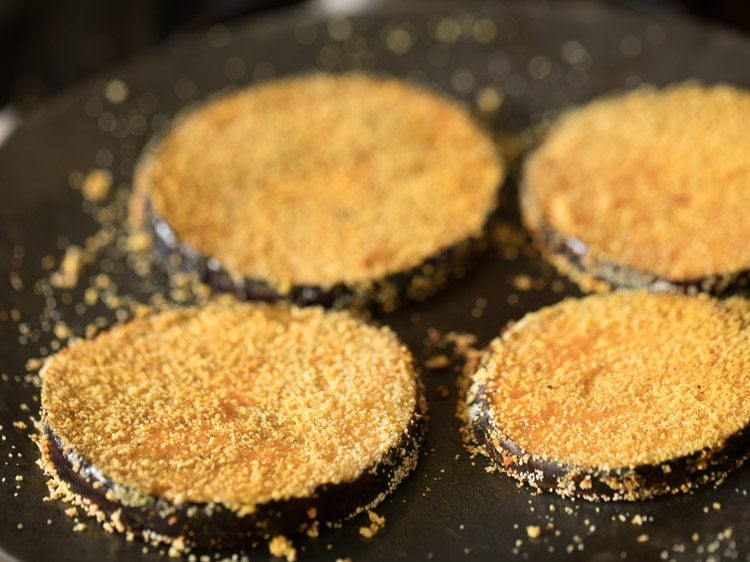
x: 621, y: 379
x: 656, y: 180
x: 236, y: 404
x: 324, y: 179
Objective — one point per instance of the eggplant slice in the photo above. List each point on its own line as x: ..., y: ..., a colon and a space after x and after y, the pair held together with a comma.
x: 340, y: 190
x: 596, y: 272
x: 387, y: 294
x: 258, y: 420
x: 618, y: 396
x: 644, y: 190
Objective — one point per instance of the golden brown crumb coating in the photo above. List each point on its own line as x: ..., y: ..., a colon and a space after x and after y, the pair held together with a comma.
x: 656, y: 180
x: 324, y: 179
x: 237, y: 404
x: 621, y: 379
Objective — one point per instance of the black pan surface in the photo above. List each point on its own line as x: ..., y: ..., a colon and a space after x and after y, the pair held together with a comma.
x: 545, y: 57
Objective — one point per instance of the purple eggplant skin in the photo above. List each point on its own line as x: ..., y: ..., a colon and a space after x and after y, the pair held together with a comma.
x: 709, y: 465
x: 386, y: 294
x: 216, y: 526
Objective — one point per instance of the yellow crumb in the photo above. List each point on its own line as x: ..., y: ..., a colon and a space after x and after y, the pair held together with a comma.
x: 177, y: 548
x: 437, y: 362
x: 61, y: 330
x: 66, y: 276
x: 280, y: 546
x: 139, y: 241
x: 523, y: 282
x: 34, y: 364
x: 96, y: 185
x: 377, y: 522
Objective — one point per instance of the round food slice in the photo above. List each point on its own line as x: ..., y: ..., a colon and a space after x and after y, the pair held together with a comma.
x: 646, y: 190
x: 327, y: 189
x: 220, y: 425
x: 619, y: 396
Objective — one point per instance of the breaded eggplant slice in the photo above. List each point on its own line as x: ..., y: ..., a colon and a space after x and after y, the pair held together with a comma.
x: 646, y: 190
x: 222, y: 425
x: 338, y: 190
x: 619, y: 396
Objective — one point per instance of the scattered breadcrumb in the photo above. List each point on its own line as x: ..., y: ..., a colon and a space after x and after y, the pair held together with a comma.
x: 282, y: 547
x: 34, y: 364
x: 61, y: 330
x: 376, y: 523
x: 96, y: 185
x: 66, y: 277
x: 139, y: 241
x: 437, y: 362
x: 523, y: 282
x: 533, y: 531
x: 177, y: 548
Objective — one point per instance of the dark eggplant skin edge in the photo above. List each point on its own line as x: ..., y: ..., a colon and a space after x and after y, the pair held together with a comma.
x: 631, y: 483
x: 386, y: 294
x: 576, y: 260
x: 218, y: 527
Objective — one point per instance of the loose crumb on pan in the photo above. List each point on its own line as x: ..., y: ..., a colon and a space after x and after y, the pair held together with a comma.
x: 438, y: 362
x: 623, y: 379
x: 280, y: 401
x: 282, y: 547
x: 177, y: 548
x: 66, y: 277
x: 96, y: 185
x: 139, y: 241
x: 296, y: 207
x: 533, y: 531
x: 377, y: 522
x: 660, y: 180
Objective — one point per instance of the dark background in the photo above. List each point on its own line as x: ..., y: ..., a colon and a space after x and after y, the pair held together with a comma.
x: 47, y: 44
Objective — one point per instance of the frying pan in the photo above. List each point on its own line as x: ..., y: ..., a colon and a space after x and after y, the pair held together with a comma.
x: 544, y: 57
